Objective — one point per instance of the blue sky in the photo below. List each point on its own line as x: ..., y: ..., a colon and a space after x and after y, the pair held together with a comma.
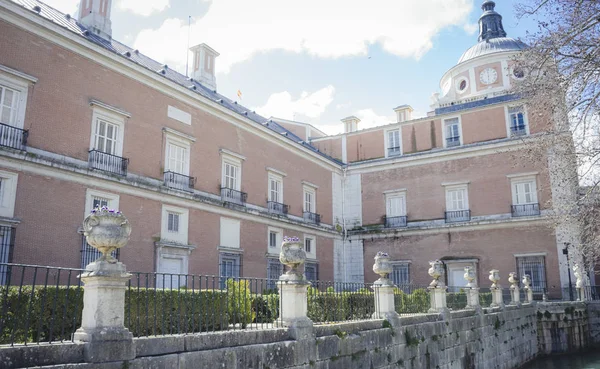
x: 315, y: 61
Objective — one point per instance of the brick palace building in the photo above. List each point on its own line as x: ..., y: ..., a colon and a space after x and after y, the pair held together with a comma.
x: 211, y: 187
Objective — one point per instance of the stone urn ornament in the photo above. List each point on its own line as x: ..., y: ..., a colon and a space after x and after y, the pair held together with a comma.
x: 436, y: 271
x: 293, y: 255
x: 382, y: 265
x: 494, y: 278
x: 513, y: 279
x: 526, y: 282
x: 106, y: 230
x: 470, y: 276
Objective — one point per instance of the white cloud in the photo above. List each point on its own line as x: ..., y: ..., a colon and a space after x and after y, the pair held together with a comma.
x: 311, y: 105
x: 238, y: 29
x: 143, y: 7
x: 369, y: 119
x: 471, y: 28
x: 65, y: 6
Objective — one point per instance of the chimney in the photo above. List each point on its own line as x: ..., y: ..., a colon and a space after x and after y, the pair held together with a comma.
x: 95, y: 15
x: 403, y: 113
x: 350, y: 124
x: 203, y: 67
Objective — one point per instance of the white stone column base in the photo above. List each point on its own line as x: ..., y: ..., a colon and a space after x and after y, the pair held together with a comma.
x: 293, y: 303
x: 497, y: 299
x: 437, y: 299
x: 385, y: 307
x: 473, y: 298
x: 515, y: 296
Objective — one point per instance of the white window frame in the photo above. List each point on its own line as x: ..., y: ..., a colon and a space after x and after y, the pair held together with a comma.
x: 515, y: 181
x: 113, y: 200
x: 313, y: 252
x: 460, y: 131
x: 109, y: 116
x: 19, y: 82
x: 180, y: 237
x: 229, y: 227
x: 234, y: 160
x: 456, y: 187
x: 8, y: 193
x: 386, y: 142
x: 178, y: 141
x: 507, y: 114
x: 278, y: 242
x: 394, y: 195
x: 313, y: 192
x: 277, y: 178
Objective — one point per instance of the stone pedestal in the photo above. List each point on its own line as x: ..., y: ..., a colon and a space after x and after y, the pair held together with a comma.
x: 437, y: 299
x: 515, y: 295
x: 472, y: 298
x: 529, y: 295
x: 385, y: 307
x: 293, y: 307
x: 497, y: 299
x: 102, y: 327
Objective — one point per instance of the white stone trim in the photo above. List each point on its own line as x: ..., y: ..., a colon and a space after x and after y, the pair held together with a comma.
x: 22, y: 87
x: 182, y: 142
x: 386, y: 141
x: 507, y: 118
x: 108, y: 115
x: 522, y: 175
x: 311, y: 185
x: 110, y: 108
x: 394, y: 191
x: 527, y: 254
x: 313, y: 252
x: 171, y: 131
x: 460, y: 130
x: 181, y: 237
x: 275, y: 171
x: 232, y: 154
x: 8, y: 193
x: 274, y: 251
x: 235, y: 232
x: 113, y: 200
x: 179, y: 115
x: 457, y: 183
x: 19, y: 74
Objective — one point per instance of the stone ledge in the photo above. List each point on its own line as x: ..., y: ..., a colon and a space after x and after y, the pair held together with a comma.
x: 39, y: 355
x: 209, y: 341
x: 347, y: 327
x: 160, y: 345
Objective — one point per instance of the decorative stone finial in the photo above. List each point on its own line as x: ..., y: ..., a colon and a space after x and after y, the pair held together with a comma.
x: 470, y: 276
x: 436, y: 271
x: 513, y: 279
x: 106, y: 230
x: 526, y: 282
x: 382, y: 265
x: 293, y: 255
x: 495, y: 278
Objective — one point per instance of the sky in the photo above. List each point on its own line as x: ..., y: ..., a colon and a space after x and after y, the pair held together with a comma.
x: 314, y: 61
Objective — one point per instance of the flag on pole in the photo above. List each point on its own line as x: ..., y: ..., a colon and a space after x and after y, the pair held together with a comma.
x: 239, y: 93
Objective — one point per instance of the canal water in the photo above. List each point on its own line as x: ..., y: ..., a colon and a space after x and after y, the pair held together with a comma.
x: 576, y: 361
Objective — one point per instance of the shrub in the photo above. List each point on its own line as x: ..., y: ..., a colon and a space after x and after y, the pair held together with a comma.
x: 412, y: 303
x: 239, y: 303
x: 265, y: 308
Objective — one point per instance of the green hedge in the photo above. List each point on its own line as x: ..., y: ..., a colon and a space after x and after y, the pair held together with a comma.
x: 411, y: 303
x: 339, y: 306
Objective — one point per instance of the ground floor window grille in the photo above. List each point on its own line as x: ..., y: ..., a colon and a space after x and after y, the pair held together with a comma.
x: 7, y: 241
x: 311, y: 271
x: 401, y: 274
x: 229, y: 268
x: 90, y: 254
x: 274, y: 271
x: 535, y: 266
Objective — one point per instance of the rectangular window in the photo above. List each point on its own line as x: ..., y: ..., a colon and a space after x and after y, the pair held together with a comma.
x: 174, y: 225
x: 452, y: 132
x: 456, y: 199
x: 98, y: 202
x: 173, y: 222
x: 524, y: 192
x: 310, y: 246
x: 230, y: 176
x: 229, y: 267
x: 9, y: 105
x: 273, y: 239
x: 274, y: 271
x: 396, y: 205
x: 311, y: 271
x: 393, y: 143
x: 106, y: 137
x: 309, y: 200
x: 177, y: 159
x: 401, y: 274
x: 535, y: 266
x: 96, y: 199
x: 230, y: 233
x: 517, y: 121
x: 7, y: 238
x: 275, y: 189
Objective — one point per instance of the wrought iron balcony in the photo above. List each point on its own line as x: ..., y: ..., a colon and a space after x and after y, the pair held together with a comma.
x: 108, y: 163
x: 453, y: 141
x: 394, y: 151
x: 312, y: 217
x: 13, y: 137
x: 526, y: 210
x: 395, y: 222
x: 458, y: 216
x: 233, y: 196
x: 518, y: 131
x: 179, y: 181
x: 277, y: 208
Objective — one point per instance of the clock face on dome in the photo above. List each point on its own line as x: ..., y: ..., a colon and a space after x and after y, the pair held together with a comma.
x: 488, y: 76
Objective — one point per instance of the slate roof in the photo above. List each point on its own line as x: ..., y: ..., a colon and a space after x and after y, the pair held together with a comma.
x: 68, y: 22
x: 494, y: 45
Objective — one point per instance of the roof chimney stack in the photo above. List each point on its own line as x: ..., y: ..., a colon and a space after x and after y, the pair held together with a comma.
x: 403, y: 113
x: 203, y: 68
x: 95, y: 15
x: 350, y: 124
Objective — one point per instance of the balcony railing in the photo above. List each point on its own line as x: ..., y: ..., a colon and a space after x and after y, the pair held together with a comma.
x: 453, y: 141
x: 526, y: 210
x: 518, y: 131
x: 13, y: 137
x: 277, y: 208
x: 458, y: 216
x: 394, y: 151
x: 179, y: 181
x: 312, y: 217
x: 233, y: 196
x: 108, y: 163
x: 395, y: 222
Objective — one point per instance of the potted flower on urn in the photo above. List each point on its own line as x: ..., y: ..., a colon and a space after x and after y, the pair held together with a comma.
x: 293, y: 255
x: 106, y: 230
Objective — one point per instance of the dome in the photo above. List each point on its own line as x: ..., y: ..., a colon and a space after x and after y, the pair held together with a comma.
x: 490, y: 46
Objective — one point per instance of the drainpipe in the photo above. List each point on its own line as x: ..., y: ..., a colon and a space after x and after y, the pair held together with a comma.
x: 344, y: 230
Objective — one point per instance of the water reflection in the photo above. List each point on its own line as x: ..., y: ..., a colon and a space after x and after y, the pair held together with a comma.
x: 578, y: 361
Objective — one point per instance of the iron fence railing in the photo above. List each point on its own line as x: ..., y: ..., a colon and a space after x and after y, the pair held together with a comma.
x: 456, y: 298
x: 277, y: 208
x: 179, y: 181
x: 39, y: 304
x: 395, y: 222
x: 453, y: 141
x: 7, y: 242
x: 312, y: 217
x: 410, y: 299
x: 457, y: 216
x: 108, y: 163
x: 394, y: 151
x: 90, y: 254
x: 525, y: 210
x: 519, y: 130
x: 337, y: 302
x: 13, y: 137
x: 233, y: 196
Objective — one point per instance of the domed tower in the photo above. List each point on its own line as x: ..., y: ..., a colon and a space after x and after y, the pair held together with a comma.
x: 484, y: 70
